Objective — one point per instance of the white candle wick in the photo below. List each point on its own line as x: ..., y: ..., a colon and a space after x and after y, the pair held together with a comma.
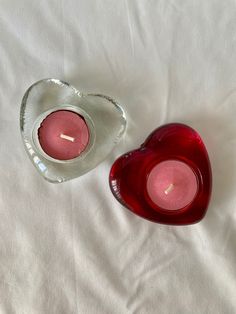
x: 66, y: 137
x: 169, y: 189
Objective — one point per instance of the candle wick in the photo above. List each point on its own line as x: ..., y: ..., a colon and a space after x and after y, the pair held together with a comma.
x: 169, y: 189
x: 66, y: 137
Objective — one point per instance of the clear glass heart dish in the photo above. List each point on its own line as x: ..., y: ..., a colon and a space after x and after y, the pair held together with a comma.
x: 67, y: 133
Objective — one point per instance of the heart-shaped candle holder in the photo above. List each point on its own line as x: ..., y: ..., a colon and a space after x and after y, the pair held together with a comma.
x: 168, y: 179
x: 67, y: 133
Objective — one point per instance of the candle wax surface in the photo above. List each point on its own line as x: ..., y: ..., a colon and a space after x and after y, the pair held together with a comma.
x: 172, y: 185
x: 63, y: 135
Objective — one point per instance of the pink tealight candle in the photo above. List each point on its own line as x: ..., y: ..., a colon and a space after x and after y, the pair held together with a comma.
x: 172, y: 185
x: 63, y: 135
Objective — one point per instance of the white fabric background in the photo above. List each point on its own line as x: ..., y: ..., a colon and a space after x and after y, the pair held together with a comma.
x: 72, y: 248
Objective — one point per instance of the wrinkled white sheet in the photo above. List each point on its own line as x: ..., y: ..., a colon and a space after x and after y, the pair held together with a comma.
x: 72, y: 248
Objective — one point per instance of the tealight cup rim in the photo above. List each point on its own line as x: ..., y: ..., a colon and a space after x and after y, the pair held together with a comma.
x: 179, y: 210
x: 88, y: 120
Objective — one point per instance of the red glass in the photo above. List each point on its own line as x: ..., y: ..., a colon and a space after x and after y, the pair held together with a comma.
x: 129, y: 173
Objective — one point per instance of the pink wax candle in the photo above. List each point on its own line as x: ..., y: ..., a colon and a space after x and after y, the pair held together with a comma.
x: 172, y: 185
x: 63, y: 135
